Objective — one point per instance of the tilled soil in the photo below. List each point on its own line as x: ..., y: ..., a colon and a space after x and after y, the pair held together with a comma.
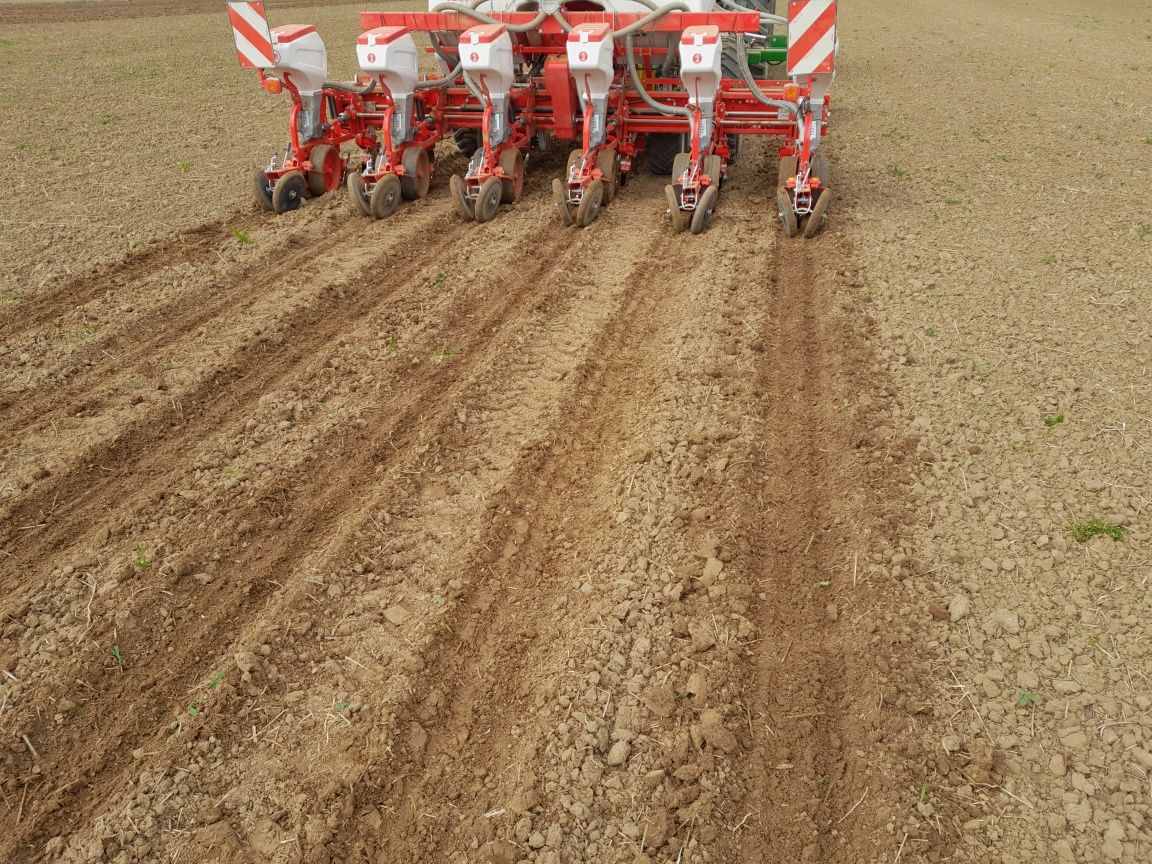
x: 331, y: 540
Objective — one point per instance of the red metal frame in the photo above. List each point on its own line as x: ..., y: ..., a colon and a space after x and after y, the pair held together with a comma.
x: 549, y: 103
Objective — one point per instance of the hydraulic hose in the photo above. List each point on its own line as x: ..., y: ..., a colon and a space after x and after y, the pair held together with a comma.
x: 757, y: 93
x: 638, y: 85
x: 651, y: 17
x: 445, y: 81
x: 350, y: 88
x: 470, y: 12
x: 765, y: 18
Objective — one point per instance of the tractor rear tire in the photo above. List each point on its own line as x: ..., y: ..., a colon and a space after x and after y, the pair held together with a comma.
x: 467, y: 141
x: 730, y: 68
x: 662, y: 150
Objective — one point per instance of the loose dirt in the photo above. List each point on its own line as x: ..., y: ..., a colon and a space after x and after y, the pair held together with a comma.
x: 331, y: 540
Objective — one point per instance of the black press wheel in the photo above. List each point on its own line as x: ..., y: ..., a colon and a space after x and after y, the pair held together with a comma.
x: 488, y: 201
x: 560, y: 199
x: 460, y: 198
x: 608, y: 161
x: 787, y: 213
x: 786, y: 170
x: 386, y: 196
x: 714, y: 167
x: 816, y: 217
x: 512, y: 185
x: 680, y: 218
x: 822, y: 171
x: 289, y: 192
x: 262, y: 191
x: 590, y: 203
x: 358, y: 194
x: 417, y: 173
x: 702, y: 215
x: 574, y: 158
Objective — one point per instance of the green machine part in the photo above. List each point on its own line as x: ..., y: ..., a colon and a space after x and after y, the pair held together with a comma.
x: 775, y: 51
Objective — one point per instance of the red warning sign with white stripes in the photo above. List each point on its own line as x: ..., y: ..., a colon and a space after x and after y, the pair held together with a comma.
x: 811, y: 36
x: 252, y: 35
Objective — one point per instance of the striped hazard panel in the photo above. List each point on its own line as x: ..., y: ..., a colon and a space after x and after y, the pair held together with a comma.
x: 811, y: 36
x: 253, y: 38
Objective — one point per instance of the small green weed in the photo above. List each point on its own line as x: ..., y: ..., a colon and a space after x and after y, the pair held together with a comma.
x: 980, y: 136
x: 953, y: 202
x: 342, y: 706
x: 929, y: 331
x: 445, y: 354
x: 440, y: 281
x: 184, y: 165
x: 897, y: 172
x: 118, y: 656
x: 193, y: 710
x: 923, y: 796
x: 393, y: 343
x: 896, y: 135
x: 1053, y: 420
x: 241, y: 235
x: 141, y: 562
x: 1082, y: 532
x: 980, y: 372
x: 1143, y: 229
x: 1049, y: 258
x: 4, y: 43
x: 215, y: 682
x: 823, y: 583
x: 7, y: 297
x: 1024, y: 698
x: 107, y: 119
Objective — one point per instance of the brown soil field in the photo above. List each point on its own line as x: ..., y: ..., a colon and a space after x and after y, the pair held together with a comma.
x: 338, y: 541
